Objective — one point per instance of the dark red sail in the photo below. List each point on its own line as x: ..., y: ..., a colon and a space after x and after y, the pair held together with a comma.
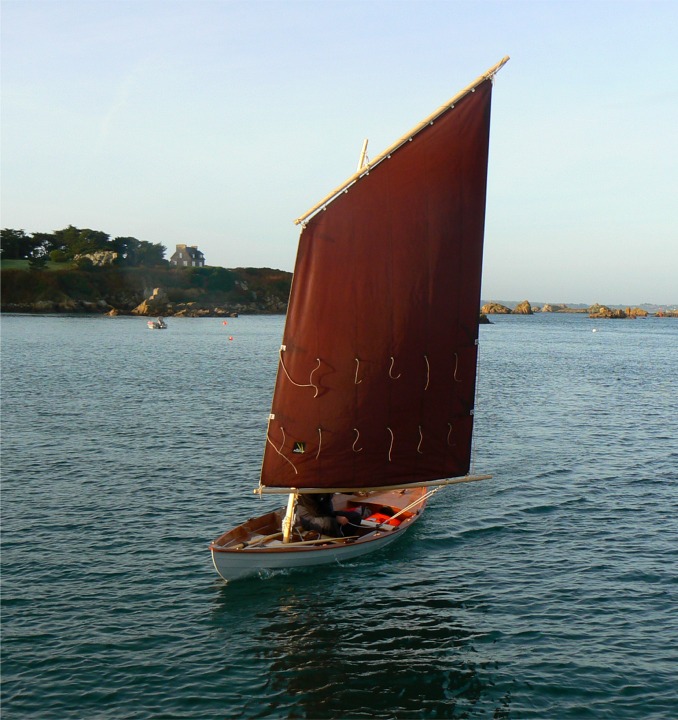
x: 378, y: 364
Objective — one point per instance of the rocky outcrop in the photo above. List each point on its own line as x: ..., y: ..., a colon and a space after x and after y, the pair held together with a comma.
x: 102, y: 258
x: 666, y: 313
x: 523, y: 308
x: 484, y: 320
x: 495, y: 309
x: 156, y: 304
x: 602, y: 311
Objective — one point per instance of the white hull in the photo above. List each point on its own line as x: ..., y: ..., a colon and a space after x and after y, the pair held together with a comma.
x: 248, y: 550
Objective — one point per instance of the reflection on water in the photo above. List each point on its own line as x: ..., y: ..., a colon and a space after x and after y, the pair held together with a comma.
x: 336, y: 643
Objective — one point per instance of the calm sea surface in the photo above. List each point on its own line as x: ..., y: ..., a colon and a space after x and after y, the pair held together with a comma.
x: 550, y: 591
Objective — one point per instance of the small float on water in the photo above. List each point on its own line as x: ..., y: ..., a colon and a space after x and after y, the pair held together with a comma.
x: 158, y: 324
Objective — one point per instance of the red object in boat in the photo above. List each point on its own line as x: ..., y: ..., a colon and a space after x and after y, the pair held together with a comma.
x: 382, y: 519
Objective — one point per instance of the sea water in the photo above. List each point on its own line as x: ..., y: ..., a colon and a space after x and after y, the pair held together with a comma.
x: 550, y: 591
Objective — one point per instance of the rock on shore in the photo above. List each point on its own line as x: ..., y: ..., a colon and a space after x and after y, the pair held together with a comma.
x: 492, y: 308
x: 523, y: 308
x: 602, y: 311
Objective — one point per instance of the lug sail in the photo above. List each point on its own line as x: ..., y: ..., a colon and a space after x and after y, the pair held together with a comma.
x: 376, y: 383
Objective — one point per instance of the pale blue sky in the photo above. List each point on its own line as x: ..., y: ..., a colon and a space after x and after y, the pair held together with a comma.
x: 217, y: 123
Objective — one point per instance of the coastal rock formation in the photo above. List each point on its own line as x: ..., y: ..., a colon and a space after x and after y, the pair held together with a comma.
x: 495, y: 309
x: 155, y: 304
x: 484, y: 320
x: 102, y: 258
x: 666, y: 313
x: 559, y: 307
x: 602, y: 311
x: 523, y: 308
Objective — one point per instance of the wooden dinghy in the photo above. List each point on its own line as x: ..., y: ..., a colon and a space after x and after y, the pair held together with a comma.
x: 257, y: 545
x: 375, y: 391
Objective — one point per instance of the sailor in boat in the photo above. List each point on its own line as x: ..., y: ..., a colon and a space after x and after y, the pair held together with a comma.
x: 315, y: 512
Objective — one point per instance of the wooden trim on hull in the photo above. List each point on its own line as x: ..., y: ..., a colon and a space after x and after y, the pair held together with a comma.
x: 255, y: 546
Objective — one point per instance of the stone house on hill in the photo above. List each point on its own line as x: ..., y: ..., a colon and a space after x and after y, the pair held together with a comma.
x: 187, y: 256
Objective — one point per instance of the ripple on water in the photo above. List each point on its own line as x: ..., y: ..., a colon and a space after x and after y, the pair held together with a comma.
x: 549, y: 591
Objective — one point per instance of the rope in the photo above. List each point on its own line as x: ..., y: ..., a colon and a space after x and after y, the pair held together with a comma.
x: 456, y: 366
x: 357, y: 367
x: 449, y: 432
x: 357, y: 437
x: 320, y: 442
x: 391, y: 368
x: 390, y: 448
x: 282, y: 445
x: 428, y: 373
x: 421, y: 440
x: 310, y: 383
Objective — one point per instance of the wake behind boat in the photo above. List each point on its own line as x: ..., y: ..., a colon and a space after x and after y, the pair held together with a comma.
x: 375, y: 391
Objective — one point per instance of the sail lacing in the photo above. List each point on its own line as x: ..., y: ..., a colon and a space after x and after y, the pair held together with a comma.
x: 279, y: 451
x: 320, y: 442
x: 310, y: 377
x: 421, y: 440
x: 390, y: 370
x: 456, y: 367
x: 428, y: 372
x: 391, y: 446
x: 357, y: 367
x: 449, y: 432
x: 357, y: 437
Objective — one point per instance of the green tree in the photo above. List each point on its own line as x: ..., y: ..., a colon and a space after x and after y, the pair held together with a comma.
x: 127, y: 248
x: 151, y: 254
x: 16, y: 244
x: 134, y: 253
x: 74, y: 241
x: 37, y: 262
x: 58, y: 256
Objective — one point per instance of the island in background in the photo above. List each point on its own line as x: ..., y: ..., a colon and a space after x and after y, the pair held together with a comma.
x: 595, y: 311
x: 86, y: 271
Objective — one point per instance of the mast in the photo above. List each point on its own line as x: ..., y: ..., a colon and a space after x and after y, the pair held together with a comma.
x: 363, y: 153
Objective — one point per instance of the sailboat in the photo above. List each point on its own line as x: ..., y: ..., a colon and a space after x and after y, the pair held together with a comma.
x: 374, y: 395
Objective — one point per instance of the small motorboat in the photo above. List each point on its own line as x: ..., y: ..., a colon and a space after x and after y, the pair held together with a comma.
x: 158, y: 324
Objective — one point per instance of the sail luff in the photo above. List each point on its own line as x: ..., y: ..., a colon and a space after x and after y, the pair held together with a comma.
x: 365, y: 169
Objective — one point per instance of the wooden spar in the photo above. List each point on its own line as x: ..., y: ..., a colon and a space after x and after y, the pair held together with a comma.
x: 363, y: 152
x: 363, y: 169
x: 324, y: 540
x: 350, y: 491
x: 288, y: 520
x: 257, y: 541
x: 422, y: 499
